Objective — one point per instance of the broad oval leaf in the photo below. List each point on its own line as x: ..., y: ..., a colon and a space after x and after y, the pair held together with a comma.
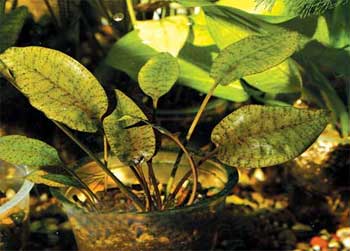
x: 58, y: 85
x: 129, y: 144
x: 158, y: 75
x: 252, y: 55
x: 259, y: 136
x: 165, y: 35
x: 20, y: 150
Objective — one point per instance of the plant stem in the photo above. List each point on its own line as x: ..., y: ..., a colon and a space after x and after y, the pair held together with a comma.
x: 103, y: 8
x: 185, y: 151
x: 131, y: 12
x: 55, y: 21
x: 2, y: 8
x: 105, y: 160
x: 146, y: 187
x: 189, y: 135
x: 200, y: 111
x: 154, y: 183
x: 136, y: 201
x: 142, y: 184
x: 187, y: 175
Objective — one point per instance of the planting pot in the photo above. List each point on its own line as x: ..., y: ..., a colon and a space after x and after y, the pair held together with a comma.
x: 188, y: 228
x: 14, y: 206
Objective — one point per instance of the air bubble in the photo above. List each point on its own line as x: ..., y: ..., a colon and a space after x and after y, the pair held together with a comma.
x: 118, y: 17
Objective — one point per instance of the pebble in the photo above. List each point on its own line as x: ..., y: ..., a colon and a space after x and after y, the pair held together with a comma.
x: 10, y: 193
x: 344, y: 236
x: 318, y: 241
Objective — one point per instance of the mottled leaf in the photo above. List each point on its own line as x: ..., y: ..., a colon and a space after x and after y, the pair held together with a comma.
x: 20, y: 150
x: 259, y: 136
x: 58, y: 85
x: 252, y: 55
x: 129, y: 144
x: 158, y: 75
x: 10, y: 26
x: 53, y: 180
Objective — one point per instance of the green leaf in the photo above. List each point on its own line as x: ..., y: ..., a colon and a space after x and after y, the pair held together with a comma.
x: 339, y: 25
x: 132, y: 144
x: 252, y: 55
x: 2, y: 8
x: 227, y: 25
x: 53, y: 180
x: 200, y: 35
x: 195, y: 3
x: 10, y: 27
x: 20, y: 150
x: 58, y: 85
x: 57, y: 193
x: 322, y: 89
x: 165, y: 35
x: 259, y: 136
x: 158, y: 75
x: 283, y: 78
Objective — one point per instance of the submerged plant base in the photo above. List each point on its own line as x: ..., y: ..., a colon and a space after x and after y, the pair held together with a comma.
x: 14, y: 209
x: 188, y: 228
x: 13, y: 231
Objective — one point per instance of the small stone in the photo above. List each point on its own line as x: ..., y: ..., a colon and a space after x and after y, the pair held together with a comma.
x: 44, y: 197
x: 344, y: 236
x: 346, y: 242
x: 316, y: 248
x: 334, y: 244
x: 164, y: 240
x: 145, y: 237
x: 319, y: 242
x: 10, y: 193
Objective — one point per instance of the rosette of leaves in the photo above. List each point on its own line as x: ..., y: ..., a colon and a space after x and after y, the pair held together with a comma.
x: 68, y: 94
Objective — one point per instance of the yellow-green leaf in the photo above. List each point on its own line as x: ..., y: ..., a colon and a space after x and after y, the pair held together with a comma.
x: 129, y: 144
x: 252, y: 55
x: 20, y: 150
x: 158, y: 75
x: 165, y: 35
x: 58, y: 85
x: 259, y: 136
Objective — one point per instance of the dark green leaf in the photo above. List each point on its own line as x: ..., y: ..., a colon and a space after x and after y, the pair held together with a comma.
x: 20, y: 150
x: 41, y: 176
x: 10, y: 26
x: 259, y: 136
x: 60, y: 196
